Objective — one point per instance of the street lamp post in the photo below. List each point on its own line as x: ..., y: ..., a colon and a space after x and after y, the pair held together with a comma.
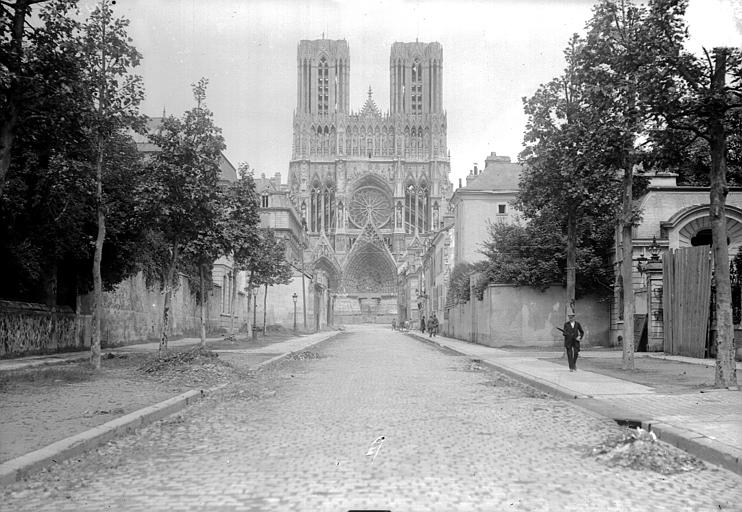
x: 255, y: 313
x: 294, y: 297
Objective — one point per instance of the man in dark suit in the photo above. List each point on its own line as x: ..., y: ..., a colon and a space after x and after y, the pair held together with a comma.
x: 573, y: 334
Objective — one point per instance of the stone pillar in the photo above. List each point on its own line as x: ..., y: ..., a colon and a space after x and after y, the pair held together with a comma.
x: 655, y: 325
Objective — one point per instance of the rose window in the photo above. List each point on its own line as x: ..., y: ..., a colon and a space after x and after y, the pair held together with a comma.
x: 369, y: 204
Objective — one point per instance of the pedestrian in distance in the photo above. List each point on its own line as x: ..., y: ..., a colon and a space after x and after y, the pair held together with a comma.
x: 394, y: 324
x: 422, y: 324
x: 433, y: 326
x: 573, y: 334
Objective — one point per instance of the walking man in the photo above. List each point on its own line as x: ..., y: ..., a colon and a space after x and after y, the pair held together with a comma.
x: 433, y: 326
x: 573, y: 334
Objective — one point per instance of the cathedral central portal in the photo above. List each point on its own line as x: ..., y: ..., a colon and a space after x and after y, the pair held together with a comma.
x: 368, y: 184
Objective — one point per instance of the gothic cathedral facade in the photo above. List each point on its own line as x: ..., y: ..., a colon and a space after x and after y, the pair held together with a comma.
x: 370, y: 186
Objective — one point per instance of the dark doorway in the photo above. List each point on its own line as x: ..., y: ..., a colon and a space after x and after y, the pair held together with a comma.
x: 703, y: 237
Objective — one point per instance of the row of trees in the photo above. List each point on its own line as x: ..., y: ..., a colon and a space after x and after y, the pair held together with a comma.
x: 632, y: 95
x: 80, y: 207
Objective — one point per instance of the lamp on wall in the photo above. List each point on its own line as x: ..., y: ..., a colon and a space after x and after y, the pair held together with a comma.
x: 294, y: 297
x: 641, y: 263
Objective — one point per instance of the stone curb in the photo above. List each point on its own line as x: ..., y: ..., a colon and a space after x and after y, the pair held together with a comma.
x: 698, y: 445
x: 703, y: 447
x: 20, y: 467
x: 540, y: 384
x: 280, y: 357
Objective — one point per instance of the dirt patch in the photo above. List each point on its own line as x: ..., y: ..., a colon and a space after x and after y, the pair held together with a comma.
x: 666, y: 377
x: 639, y: 449
x: 242, y: 340
x: 303, y: 356
x: 44, y: 405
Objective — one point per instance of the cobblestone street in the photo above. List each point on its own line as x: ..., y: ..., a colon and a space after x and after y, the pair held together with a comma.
x: 457, y: 437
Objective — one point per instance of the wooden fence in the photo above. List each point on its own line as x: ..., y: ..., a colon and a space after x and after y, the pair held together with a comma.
x: 686, y: 300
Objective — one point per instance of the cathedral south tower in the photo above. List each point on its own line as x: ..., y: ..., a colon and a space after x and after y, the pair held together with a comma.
x: 369, y: 185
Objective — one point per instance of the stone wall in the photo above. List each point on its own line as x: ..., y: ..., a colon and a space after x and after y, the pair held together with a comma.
x: 521, y: 316
x: 132, y: 313
x: 28, y: 329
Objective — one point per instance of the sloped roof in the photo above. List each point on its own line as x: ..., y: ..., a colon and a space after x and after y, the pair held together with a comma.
x: 497, y: 175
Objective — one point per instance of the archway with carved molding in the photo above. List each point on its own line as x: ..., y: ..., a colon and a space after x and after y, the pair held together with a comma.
x: 685, y: 224
x: 370, y: 267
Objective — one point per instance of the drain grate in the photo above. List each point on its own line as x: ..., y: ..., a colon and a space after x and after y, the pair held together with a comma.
x: 628, y: 423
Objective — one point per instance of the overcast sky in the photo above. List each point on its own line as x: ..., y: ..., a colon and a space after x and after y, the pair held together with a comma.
x: 494, y: 53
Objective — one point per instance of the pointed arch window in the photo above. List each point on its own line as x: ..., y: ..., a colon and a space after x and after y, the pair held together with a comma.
x: 322, y: 208
x: 423, y: 207
x: 410, y: 208
x: 314, y: 209
x: 323, y: 87
x: 417, y: 87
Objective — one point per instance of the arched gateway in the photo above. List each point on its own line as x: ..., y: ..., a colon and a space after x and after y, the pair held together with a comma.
x: 366, y: 183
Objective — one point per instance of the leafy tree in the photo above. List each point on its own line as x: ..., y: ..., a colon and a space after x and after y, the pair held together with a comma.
x: 569, y: 146
x: 208, y: 245
x: 524, y: 255
x: 584, y: 130
x: 43, y: 201
x: 701, y: 95
x: 182, y: 178
x: 279, y: 270
x: 266, y: 265
x: 459, y: 284
x: 242, y: 232
x: 612, y: 63
x: 15, y: 76
x: 115, y: 97
x: 48, y: 208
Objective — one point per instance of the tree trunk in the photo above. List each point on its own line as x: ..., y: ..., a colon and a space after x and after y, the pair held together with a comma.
x: 571, y: 261
x: 726, y: 372
x: 97, y: 279
x: 201, y: 280
x: 265, y: 311
x: 168, y: 300
x: 51, y: 284
x: 233, y: 305
x: 10, y: 113
x: 627, y: 271
x: 569, y: 303
x: 250, y: 324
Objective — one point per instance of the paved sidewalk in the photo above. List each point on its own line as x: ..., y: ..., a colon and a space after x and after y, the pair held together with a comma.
x: 291, y: 345
x: 23, y: 363
x: 706, y: 423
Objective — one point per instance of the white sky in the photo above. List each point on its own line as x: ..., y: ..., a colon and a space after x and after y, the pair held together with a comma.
x: 494, y: 53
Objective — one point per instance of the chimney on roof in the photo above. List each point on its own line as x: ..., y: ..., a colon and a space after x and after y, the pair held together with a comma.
x: 476, y: 171
x: 470, y: 177
x: 493, y: 158
x: 459, y: 182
